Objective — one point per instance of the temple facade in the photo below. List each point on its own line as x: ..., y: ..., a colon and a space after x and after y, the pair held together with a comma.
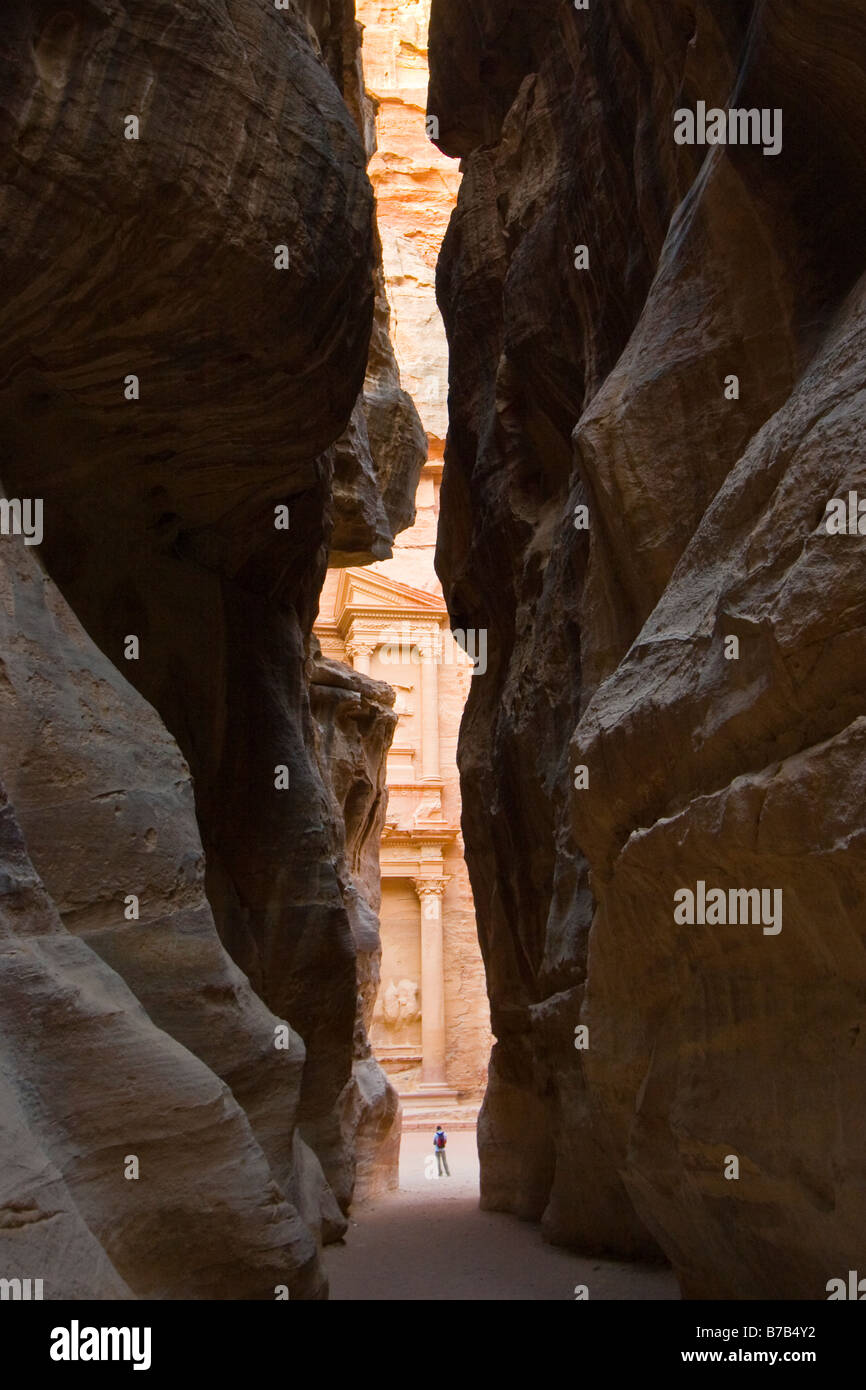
x: 431, y: 1026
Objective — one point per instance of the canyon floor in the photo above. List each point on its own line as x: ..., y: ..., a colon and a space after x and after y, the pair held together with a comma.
x: 430, y: 1240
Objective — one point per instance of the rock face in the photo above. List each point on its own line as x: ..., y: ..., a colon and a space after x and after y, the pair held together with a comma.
x: 608, y: 387
x: 386, y: 436
x: 355, y: 723
x: 192, y: 417
x: 128, y: 1035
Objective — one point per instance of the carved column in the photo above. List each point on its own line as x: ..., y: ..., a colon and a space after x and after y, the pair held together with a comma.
x: 359, y: 652
x: 430, y: 891
x: 430, y: 768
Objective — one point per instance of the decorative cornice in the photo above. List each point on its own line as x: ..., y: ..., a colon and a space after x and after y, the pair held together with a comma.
x: 441, y: 834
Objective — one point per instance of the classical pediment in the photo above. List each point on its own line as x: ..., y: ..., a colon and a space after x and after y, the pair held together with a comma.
x: 363, y: 592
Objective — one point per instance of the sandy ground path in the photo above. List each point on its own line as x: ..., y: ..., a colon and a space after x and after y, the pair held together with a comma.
x: 430, y: 1241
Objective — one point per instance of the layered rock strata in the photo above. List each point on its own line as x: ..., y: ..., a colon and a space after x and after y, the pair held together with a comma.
x: 602, y: 285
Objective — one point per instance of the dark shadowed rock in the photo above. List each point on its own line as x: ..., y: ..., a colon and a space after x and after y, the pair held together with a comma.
x: 605, y: 387
x: 193, y: 509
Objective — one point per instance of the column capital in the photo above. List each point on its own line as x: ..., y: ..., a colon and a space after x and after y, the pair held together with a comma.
x: 359, y: 646
x: 362, y: 640
x: 365, y: 633
x: 431, y: 887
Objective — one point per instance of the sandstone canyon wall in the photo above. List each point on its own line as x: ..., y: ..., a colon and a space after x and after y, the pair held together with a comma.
x: 604, y: 387
x: 355, y: 721
x: 210, y: 781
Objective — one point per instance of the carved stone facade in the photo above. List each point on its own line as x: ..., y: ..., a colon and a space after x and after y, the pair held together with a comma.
x: 431, y: 1025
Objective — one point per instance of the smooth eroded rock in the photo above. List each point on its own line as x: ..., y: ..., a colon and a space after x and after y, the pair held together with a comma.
x: 598, y: 381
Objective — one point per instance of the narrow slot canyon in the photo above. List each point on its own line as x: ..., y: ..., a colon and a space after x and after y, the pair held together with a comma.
x: 431, y: 651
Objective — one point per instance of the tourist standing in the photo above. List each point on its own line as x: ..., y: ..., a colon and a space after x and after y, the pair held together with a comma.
x: 440, y: 1139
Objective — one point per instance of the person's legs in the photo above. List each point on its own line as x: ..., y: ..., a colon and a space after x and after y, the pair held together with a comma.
x: 440, y: 1159
x: 445, y: 1161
